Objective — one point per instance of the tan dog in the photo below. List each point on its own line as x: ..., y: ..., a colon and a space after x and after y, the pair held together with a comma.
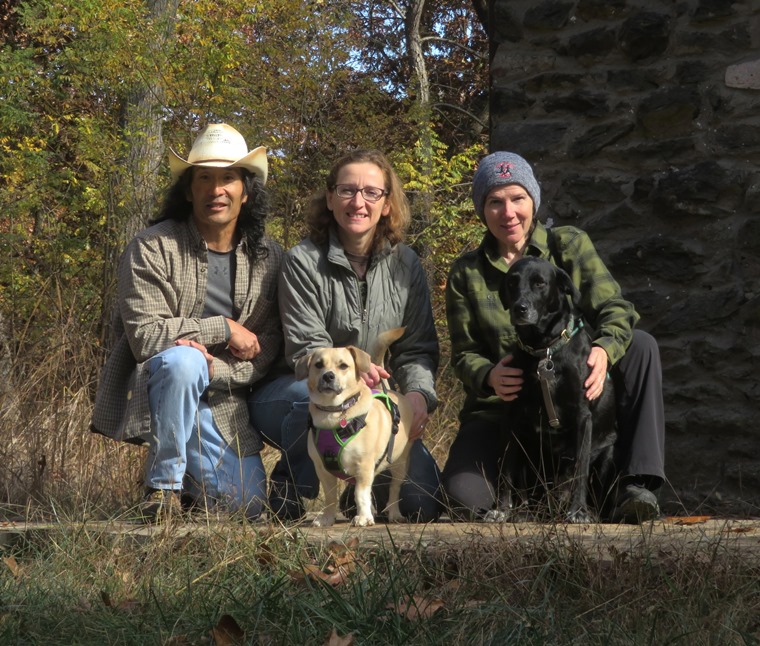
x: 339, y: 399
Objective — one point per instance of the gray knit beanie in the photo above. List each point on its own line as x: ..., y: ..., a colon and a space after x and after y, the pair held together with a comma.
x: 502, y: 169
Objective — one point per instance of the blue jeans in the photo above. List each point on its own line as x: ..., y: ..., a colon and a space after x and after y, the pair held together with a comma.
x: 279, y: 410
x: 187, y: 452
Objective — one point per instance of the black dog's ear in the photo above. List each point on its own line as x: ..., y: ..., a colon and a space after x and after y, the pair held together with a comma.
x: 506, y: 301
x: 565, y: 283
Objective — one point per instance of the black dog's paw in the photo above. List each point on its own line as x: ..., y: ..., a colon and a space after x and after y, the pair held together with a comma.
x: 580, y: 517
x: 496, y: 516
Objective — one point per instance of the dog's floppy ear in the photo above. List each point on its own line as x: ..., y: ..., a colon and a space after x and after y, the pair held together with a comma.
x: 302, y: 366
x: 565, y: 283
x: 362, y: 360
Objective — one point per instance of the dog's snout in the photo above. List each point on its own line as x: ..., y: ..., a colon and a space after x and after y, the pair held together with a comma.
x: 520, y: 308
x: 523, y: 313
x: 328, y: 377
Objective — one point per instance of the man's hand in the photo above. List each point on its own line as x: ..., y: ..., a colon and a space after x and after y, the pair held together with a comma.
x: 201, y: 348
x: 505, y: 380
x: 242, y: 343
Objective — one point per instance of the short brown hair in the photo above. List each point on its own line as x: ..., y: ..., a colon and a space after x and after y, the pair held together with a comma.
x: 391, y: 227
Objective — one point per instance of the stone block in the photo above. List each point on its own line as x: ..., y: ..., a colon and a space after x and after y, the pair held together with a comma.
x: 744, y: 76
x: 599, y: 137
x: 645, y: 34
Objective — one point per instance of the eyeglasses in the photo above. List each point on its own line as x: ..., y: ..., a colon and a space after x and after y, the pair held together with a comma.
x: 369, y: 193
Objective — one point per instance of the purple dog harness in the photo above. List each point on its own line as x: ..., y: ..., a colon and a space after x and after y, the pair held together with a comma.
x: 330, y: 442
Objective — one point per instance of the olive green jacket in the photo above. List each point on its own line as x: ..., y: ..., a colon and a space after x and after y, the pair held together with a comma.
x: 480, y: 326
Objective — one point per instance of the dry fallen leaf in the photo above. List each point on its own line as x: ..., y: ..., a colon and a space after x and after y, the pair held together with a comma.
x: 313, y: 572
x: 336, y: 640
x: 418, y: 607
x: 13, y: 565
x: 177, y: 640
x: 265, y: 556
x: 125, y: 605
x: 740, y: 530
x: 129, y: 605
x: 688, y: 520
x: 227, y: 632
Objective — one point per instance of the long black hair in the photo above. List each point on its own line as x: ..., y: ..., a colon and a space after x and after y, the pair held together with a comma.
x: 253, y: 212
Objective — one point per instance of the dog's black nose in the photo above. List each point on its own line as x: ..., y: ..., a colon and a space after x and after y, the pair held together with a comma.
x: 328, y: 377
x: 520, y: 308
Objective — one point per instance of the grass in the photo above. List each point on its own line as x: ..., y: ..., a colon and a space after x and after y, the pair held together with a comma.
x: 74, y: 584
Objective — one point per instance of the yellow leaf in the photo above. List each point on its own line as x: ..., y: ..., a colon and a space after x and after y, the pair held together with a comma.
x: 13, y: 565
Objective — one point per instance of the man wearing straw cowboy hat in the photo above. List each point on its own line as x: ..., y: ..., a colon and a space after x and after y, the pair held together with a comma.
x: 196, y: 326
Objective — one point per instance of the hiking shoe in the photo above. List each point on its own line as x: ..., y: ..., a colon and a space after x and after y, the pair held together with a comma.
x: 284, y: 502
x: 159, y: 505
x: 636, y: 504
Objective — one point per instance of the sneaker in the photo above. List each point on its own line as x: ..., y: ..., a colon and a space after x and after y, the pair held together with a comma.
x: 284, y: 502
x: 636, y: 504
x: 159, y: 505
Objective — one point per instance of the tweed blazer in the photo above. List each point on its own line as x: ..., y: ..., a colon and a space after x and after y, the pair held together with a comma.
x: 162, y: 280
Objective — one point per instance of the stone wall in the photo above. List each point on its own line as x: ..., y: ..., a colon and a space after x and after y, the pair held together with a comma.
x: 642, y: 120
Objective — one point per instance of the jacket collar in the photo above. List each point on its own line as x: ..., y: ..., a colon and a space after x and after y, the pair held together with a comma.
x: 538, y: 245
x: 336, y: 253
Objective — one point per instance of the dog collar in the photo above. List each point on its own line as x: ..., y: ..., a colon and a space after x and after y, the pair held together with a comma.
x: 560, y: 342
x: 341, y: 408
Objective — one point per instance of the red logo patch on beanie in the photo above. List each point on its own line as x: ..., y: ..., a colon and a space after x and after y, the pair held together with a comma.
x: 504, y: 169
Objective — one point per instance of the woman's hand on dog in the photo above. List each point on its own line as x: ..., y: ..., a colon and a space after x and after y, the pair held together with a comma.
x: 416, y: 399
x: 597, y: 361
x: 374, y: 375
x: 505, y: 380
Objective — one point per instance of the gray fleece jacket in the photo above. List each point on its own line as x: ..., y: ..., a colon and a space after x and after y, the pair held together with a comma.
x: 321, y: 306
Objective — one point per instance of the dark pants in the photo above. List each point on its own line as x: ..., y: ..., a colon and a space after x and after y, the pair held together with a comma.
x: 472, y: 468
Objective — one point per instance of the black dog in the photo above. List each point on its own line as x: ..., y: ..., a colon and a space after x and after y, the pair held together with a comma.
x: 555, y: 438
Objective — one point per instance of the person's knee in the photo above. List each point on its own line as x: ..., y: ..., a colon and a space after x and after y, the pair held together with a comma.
x: 421, y: 508
x: 465, y: 494
x: 279, y: 410
x: 180, y: 364
x: 644, y: 345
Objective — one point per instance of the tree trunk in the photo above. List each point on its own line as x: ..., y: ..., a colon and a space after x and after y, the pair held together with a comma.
x: 422, y: 205
x: 134, y: 188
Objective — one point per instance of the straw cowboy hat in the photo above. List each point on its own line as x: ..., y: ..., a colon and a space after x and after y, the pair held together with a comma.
x: 221, y: 146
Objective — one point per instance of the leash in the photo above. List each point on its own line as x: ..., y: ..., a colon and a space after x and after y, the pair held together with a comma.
x: 545, y: 374
x: 396, y: 416
x: 545, y: 370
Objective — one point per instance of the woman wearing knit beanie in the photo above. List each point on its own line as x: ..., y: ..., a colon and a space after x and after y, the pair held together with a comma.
x: 506, y: 197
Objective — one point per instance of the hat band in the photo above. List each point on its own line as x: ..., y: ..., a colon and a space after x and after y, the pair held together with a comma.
x: 210, y: 161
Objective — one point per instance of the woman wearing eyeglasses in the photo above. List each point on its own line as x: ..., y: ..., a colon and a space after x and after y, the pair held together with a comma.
x: 349, y: 280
